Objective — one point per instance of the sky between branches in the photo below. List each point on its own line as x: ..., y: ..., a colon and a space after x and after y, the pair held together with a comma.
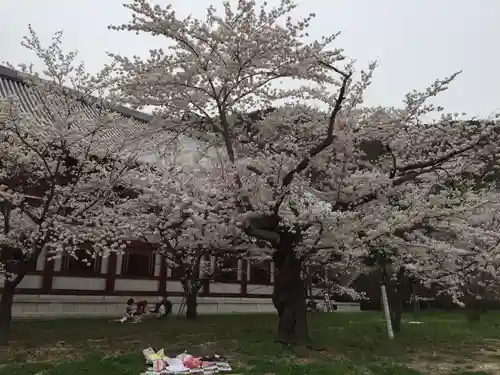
x: 415, y: 42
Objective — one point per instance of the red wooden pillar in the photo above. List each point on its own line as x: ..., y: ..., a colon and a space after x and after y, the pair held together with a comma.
x: 111, y: 273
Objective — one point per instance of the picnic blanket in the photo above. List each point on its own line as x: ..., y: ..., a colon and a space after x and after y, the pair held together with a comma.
x: 184, y: 363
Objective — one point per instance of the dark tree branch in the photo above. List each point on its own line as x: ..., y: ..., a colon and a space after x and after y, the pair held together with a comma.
x: 327, y: 141
x: 436, y: 161
x: 412, y: 171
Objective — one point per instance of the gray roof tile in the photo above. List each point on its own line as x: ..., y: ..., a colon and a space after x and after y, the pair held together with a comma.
x: 12, y: 83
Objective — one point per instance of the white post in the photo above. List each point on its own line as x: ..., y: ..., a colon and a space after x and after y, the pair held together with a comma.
x: 387, y: 312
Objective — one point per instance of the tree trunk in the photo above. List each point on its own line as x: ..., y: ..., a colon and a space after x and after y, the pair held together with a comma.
x: 414, y: 297
x: 396, y: 303
x: 473, y: 309
x: 292, y: 324
x: 191, y: 286
x: 6, y: 302
x: 289, y: 296
x: 191, y: 306
x: 399, y: 293
x: 16, y: 269
x: 396, y: 317
x: 473, y: 315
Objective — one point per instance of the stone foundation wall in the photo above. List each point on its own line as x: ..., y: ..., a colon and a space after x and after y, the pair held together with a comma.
x: 54, y: 306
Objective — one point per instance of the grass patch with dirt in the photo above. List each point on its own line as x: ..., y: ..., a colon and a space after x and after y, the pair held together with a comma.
x: 351, y: 343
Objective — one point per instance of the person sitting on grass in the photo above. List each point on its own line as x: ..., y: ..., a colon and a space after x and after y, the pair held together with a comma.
x: 163, y: 307
x: 129, y: 313
x: 134, y: 312
x: 129, y: 308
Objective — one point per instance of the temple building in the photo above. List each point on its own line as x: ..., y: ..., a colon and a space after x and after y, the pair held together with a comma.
x: 69, y: 287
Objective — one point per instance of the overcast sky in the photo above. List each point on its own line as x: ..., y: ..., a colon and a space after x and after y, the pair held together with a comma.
x: 414, y: 41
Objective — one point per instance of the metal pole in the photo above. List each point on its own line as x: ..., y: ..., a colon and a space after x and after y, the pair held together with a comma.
x: 387, y: 311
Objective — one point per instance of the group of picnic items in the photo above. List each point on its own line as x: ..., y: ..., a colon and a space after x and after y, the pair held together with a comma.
x: 184, y: 363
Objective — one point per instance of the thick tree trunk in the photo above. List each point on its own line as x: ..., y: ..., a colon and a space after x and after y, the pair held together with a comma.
x: 191, y: 287
x: 399, y: 293
x: 292, y: 324
x: 413, y: 295
x: 396, y: 317
x: 473, y: 315
x: 473, y: 309
x: 6, y: 302
x: 17, y: 267
x: 289, y: 297
x: 191, y: 306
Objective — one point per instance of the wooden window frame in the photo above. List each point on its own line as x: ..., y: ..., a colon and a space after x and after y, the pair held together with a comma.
x: 140, y: 251
x: 252, y: 265
x: 176, y: 273
x: 68, y: 261
x: 14, y: 261
x: 217, y: 274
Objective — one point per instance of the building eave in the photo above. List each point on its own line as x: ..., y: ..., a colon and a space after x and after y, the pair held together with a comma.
x: 16, y: 76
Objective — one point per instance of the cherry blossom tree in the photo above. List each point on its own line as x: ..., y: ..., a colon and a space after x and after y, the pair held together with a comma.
x: 474, y: 278
x: 287, y: 117
x: 61, y: 165
x: 424, y: 239
x: 187, y: 221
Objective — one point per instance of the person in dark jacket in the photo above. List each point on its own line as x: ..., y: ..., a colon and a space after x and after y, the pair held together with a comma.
x: 163, y: 307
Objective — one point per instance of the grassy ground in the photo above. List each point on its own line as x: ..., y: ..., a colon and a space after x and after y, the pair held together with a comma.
x: 354, y: 344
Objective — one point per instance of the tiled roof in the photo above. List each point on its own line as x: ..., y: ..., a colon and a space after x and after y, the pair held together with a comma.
x: 135, y: 129
x: 12, y: 83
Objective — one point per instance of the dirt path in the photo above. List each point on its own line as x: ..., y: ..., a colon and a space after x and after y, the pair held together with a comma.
x: 486, y: 359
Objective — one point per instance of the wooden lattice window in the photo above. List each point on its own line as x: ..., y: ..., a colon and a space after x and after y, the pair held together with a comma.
x: 226, y: 269
x: 81, y: 262
x: 138, y: 263
x: 176, y: 272
x: 260, y: 272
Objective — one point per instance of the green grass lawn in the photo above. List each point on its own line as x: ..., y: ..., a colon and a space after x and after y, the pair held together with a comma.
x: 354, y: 343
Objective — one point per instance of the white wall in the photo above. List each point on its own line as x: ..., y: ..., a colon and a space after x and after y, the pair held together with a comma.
x: 259, y: 289
x: 136, y: 285
x: 28, y: 282
x: 174, y: 286
x: 225, y: 288
x: 78, y: 283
